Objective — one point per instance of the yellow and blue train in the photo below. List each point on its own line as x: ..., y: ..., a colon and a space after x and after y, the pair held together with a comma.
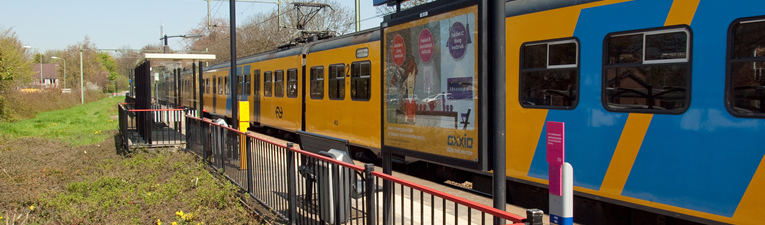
x: 662, y: 100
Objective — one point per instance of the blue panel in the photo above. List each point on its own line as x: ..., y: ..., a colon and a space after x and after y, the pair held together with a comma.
x: 228, y: 97
x: 592, y: 133
x: 705, y: 158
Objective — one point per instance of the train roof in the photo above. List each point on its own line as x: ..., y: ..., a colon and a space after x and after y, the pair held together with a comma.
x: 364, y: 36
x: 521, y: 7
x: 332, y: 43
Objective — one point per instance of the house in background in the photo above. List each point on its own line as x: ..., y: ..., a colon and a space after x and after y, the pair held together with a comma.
x: 50, y: 76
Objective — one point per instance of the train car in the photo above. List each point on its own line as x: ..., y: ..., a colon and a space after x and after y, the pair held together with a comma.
x: 343, y: 82
x: 661, y: 100
x: 216, y: 97
x: 279, y: 73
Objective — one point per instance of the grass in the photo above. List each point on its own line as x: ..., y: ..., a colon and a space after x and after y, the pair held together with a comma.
x: 78, y: 125
x: 62, y: 167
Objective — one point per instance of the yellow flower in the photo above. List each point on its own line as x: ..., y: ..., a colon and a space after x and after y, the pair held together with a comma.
x: 159, y: 222
x: 179, y: 213
x: 31, y: 207
x: 149, y: 193
x: 174, y: 223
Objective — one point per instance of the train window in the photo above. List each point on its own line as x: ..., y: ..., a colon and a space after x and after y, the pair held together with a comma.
x: 256, y: 80
x: 317, y: 82
x: 745, y: 83
x: 361, y: 76
x: 337, y: 82
x: 227, y: 86
x: 207, y: 85
x: 549, y: 74
x: 239, y: 84
x: 292, y: 83
x: 220, y: 85
x: 648, y: 72
x: 246, y: 84
x: 279, y: 83
x: 267, y: 84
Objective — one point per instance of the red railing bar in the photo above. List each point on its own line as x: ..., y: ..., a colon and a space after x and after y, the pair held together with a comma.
x: 324, y: 158
x: 495, y: 212
x: 154, y: 110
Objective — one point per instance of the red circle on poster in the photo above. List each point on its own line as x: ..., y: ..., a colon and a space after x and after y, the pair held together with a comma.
x: 398, y: 52
x: 426, y: 45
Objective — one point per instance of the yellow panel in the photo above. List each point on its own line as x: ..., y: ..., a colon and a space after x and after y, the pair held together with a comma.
x: 625, y: 153
x: 524, y: 125
x: 751, y: 207
x: 291, y: 108
x: 244, y: 112
x: 682, y: 12
x: 356, y: 121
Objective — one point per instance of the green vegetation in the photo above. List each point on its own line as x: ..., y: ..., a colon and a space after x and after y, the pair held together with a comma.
x: 62, y: 167
x: 78, y: 125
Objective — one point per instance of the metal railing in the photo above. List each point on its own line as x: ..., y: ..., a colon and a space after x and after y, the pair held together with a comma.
x: 156, y: 127
x: 301, y: 187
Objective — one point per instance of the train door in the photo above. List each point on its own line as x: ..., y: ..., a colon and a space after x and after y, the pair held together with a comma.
x: 215, y: 93
x: 254, y: 83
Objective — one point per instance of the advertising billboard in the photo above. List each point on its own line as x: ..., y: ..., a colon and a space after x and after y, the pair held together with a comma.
x: 430, y: 87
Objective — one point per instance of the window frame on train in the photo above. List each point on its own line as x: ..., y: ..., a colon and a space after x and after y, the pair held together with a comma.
x: 226, y: 85
x: 268, y: 84
x: 732, y: 58
x: 240, y: 84
x: 219, y: 89
x: 678, y: 64
x: 356, y: 76
x: 279, y: 84
x: 256, y: 82
x: 525, y: 72
x: 207, y: 85
x: 317, y: 82
x: 292, y: 89
x: 338, y: 81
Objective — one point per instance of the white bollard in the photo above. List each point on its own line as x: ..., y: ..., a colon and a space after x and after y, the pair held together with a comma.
x: 562, y: 207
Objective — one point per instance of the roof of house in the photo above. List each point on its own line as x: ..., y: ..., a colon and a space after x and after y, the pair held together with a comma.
x: 49, y: 71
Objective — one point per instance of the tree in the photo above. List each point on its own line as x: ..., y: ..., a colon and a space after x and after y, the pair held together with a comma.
x: 261, y: 32
x: 15, y: 67
x: 94, y: 72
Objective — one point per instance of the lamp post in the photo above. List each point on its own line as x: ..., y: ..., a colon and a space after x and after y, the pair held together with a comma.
x: 172, y: 36
x: 41, y: 65
x: 54, y: 57
x: 82, y: 91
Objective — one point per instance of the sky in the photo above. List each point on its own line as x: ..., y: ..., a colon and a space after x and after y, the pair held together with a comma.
x: 112, y: 24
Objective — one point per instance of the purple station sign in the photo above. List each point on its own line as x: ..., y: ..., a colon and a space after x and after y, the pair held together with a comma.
x: 555, y: 155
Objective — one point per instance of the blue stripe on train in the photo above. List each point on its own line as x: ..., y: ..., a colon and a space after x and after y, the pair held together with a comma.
x: 712, y: 155
x: 703, y: 159
x: 592, y: 133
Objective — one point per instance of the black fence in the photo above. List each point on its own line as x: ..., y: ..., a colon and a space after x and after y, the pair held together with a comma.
x: 303, y: 187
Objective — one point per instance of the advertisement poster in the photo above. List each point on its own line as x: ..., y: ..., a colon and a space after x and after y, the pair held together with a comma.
x: 430, y: 89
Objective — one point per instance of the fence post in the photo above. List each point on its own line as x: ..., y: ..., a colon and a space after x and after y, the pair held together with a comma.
x: 188, y: 142
x: 205, y: 129
x: 369, y: 189
x: 291, y: 183
x: 248, y: 142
